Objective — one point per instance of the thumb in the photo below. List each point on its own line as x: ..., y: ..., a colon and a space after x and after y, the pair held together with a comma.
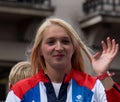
x: 96, y: 55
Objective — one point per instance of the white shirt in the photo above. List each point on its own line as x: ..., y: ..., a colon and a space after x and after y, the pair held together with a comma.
x: 56, y: 88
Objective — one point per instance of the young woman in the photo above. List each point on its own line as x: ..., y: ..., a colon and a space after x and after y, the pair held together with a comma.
x: 58, y: 65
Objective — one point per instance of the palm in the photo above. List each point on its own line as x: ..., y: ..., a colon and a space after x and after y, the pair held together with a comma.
x: 102, y: 62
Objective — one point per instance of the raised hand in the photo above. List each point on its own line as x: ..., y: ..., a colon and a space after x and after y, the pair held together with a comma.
x: 101, y: 62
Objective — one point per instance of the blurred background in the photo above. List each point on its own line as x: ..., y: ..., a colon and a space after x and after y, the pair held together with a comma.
x: 94, y: 20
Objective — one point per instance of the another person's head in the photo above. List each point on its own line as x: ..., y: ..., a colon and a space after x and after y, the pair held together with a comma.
x: 77, y: 60
x: 19, y: 71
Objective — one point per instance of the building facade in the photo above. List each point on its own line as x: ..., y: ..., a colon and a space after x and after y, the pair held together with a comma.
x: 93, y: 20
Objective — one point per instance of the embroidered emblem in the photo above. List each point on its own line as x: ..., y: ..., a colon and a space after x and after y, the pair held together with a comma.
x: 79, y: 98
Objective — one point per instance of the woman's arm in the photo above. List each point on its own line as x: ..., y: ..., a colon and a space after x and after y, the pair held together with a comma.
x: 101, y: 62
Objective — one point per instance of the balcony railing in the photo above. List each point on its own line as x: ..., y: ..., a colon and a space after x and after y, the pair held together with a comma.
x: 91, y: 6
x: 27, y: 2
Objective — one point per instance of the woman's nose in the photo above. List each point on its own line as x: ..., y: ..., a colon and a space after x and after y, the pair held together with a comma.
x: 59, y: 46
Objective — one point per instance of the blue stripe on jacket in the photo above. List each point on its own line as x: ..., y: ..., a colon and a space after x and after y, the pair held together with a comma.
x: 80, y: 93
x: 33, y: 95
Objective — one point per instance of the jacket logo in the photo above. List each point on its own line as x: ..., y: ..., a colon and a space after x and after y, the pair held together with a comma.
x: 79, y: 98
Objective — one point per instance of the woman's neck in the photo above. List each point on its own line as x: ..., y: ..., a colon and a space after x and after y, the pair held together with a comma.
x: 57, y: 74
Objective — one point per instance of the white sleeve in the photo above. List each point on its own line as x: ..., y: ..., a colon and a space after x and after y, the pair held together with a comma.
x: 99, y: 94
x: 11, y: 97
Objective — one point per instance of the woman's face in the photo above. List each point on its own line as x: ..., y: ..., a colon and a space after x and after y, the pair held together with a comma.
x: 56, y: 47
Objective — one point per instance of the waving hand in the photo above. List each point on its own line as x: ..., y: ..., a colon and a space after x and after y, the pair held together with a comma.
x: 101, y: 63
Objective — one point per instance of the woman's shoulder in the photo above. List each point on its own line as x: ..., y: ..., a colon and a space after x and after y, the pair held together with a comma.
x: 25, y: 83
x: 84, y: 79
x: 28, y: 83
x: 23, y: 86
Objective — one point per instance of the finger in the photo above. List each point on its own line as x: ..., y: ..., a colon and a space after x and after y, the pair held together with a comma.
x: 116, y: 50
x: 109, y: 44
x: 96, y: 56
x: 113, y: 46
x: 104, y: 46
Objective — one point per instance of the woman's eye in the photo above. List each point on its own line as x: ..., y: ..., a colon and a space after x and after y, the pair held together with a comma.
x: 66, y: 41
x: 50, y: 42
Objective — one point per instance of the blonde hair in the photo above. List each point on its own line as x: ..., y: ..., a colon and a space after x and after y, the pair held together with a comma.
x: 77, y: 60
x: 19, y: 71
